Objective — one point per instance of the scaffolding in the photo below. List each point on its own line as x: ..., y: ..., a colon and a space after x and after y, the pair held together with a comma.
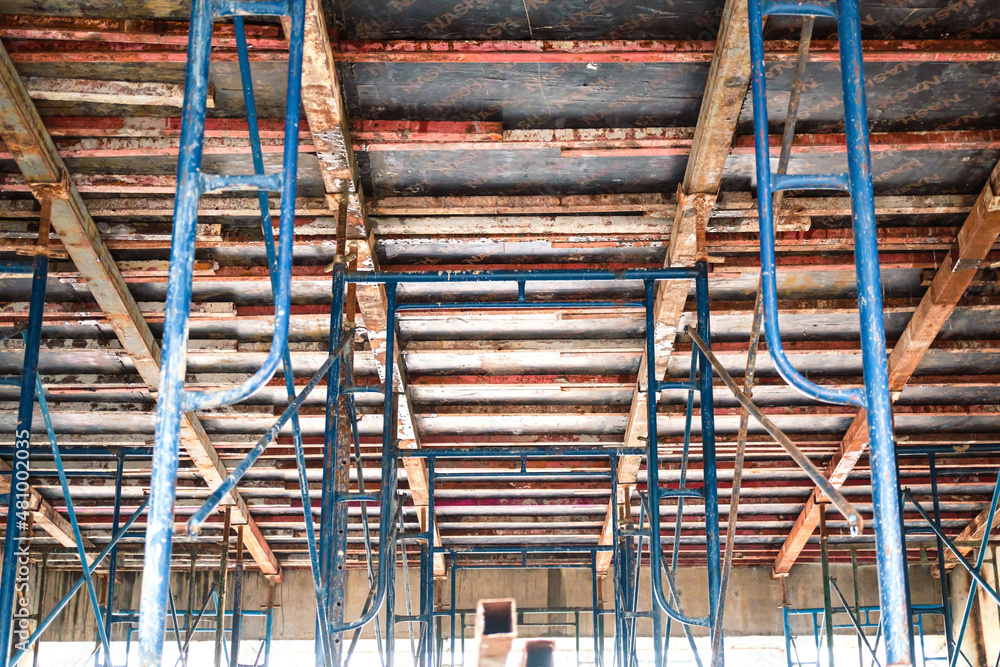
x: 635, y: 543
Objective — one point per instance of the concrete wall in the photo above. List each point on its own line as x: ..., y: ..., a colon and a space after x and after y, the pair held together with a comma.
x: 753, y: 609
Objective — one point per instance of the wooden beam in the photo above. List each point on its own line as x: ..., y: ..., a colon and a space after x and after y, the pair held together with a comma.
x: 24, y: 134
x: 728, y: 81
x: 957, y: 271
x: 327, y: 116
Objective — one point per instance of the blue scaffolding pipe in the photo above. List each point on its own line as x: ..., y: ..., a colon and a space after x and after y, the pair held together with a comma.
x: 21, y: 456
x: 71, y: 512
x: 173, y: 399
x: 874, y: 398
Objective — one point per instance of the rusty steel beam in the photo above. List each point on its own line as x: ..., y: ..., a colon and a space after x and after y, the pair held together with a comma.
x: 974, y: 242
x: 327, y: 116
x: 149, y: 136
x: 24, y: 134
x: 33, y: 40
x: 728, y: 81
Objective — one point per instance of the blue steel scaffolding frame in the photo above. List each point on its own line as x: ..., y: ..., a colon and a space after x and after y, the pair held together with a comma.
x: 328, y: 557
x: 17, y: 497
x: 874, y: 398
x: 338, y: 373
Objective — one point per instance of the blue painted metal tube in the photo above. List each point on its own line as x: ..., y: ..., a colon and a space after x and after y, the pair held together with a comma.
x: 229, y: 483
x: 71, y: 512
x: 322, y: 559
x: 800, y: 8
x: 169, y: 405
x: 267, y: 228
x: 57, y: 609
x: 892, y: 575
x: 682, y: 493
x: 781, y: 182
x: 329, y: 645
x: 688, y: 386
x: 268, y: 634
x: 221, y: 8
x: 217, y: 182
x: 109, y: 609
x: 593, y: 594
x: 711, y: 487
x: 387, y: 494
x: 942, y: 564
x: 173, y: 400
x: 22, y: 439
x: 766, y: 213
x: 515, y: 276
x: 10, y: 381
x: 653, y: 469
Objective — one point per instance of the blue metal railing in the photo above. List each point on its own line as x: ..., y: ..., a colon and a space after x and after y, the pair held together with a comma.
x: 192, y: 183
x: 874, y: 398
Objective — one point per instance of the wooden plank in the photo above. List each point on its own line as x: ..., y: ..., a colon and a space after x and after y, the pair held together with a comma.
x: 25, y: 136
x: 957, y: 271
x: 326, y: 113
x: 728, y: 81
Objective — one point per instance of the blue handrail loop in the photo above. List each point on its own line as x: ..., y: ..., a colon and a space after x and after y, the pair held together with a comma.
x: 857, y: 181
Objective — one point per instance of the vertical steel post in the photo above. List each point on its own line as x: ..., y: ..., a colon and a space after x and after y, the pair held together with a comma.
x: 427, y: 569
x: 893, y: 593
x: 330, y: 458
x: 42, y: 579
x: 220, y: 610
x: 337, y: 447
x: 857, y: 598
x: 390, y: 610
x: 451, y: 609
x: 824, y: 551
x: 942, y: 562
x: 236, y: 631
x: 269, y: 623
x: 707, y: 409
x: 169, y: 405
x: 875, y: 398
x: 22, y: 439
x: 596, y: 610
x: 113, y: 563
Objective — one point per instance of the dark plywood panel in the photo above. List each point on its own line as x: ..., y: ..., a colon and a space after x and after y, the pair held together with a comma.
x: 526, y: 19
x: 518, y: 172
x: 895, y: 172
x: 529, y: 95
x: 901, y: 96
x: 566, y: 19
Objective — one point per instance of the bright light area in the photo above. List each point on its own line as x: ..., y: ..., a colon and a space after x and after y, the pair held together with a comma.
x: 741, y: 651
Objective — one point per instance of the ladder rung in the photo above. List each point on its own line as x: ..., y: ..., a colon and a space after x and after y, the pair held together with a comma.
x: 221, y: 8
x: 810, y: 182
x: 799, y: 8
x: 213, y: 182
